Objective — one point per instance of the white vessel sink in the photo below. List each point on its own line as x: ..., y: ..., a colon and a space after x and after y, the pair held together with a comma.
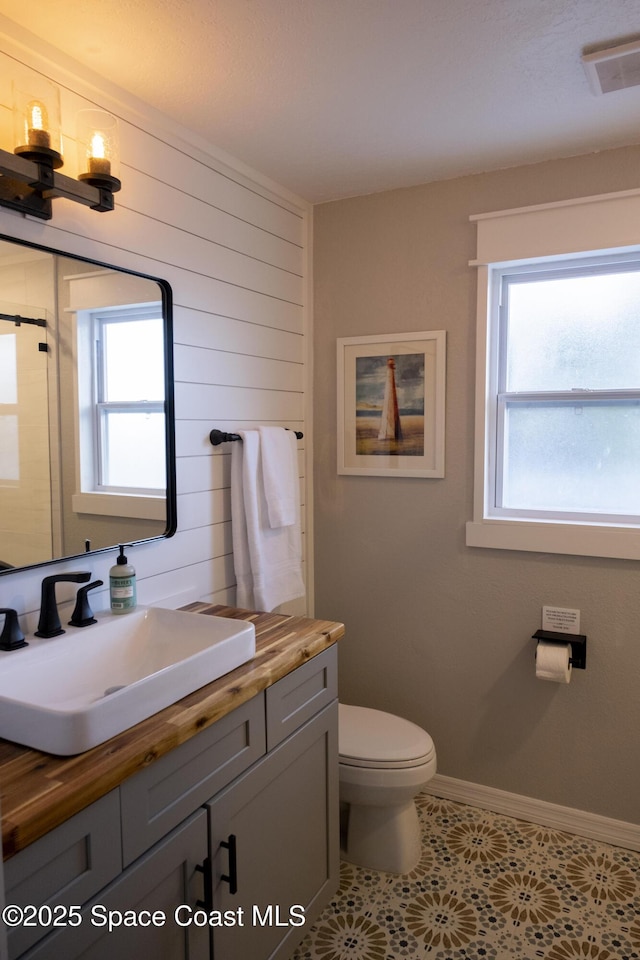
x: 70, y: 693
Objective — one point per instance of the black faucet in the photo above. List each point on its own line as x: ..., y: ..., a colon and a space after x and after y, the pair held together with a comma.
x: 82, y: 614
x: 12, y: 637
x: 49, y: 623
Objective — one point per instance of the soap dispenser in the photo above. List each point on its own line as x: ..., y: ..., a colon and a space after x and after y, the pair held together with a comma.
x: 122, y: 585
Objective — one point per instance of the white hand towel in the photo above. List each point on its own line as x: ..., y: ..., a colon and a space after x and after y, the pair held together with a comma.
x: 267, y: 560
x: 280, y: 474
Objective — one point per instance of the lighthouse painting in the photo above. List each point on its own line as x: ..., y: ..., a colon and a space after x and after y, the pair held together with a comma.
x: 391, y: 404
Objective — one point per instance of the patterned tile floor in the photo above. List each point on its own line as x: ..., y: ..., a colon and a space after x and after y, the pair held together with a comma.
x: 487, y: 887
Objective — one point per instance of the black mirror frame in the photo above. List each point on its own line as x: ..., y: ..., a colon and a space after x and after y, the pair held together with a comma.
x: 170, y: 439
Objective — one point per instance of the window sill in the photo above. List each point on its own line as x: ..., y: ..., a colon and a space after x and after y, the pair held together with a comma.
x: 582, y: 540
x: 119, y: 505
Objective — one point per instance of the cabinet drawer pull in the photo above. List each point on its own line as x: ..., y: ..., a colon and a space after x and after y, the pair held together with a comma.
x: 232, y: 877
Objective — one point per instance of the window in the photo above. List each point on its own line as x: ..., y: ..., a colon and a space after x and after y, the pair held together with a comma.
x: 557, y: 462
x: 566, y: 431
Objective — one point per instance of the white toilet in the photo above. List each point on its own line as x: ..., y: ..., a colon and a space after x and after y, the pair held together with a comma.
x: 384, y: 762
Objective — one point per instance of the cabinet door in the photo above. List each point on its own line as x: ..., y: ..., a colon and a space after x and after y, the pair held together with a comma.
x: 274, y: 835
x: 162, y: 880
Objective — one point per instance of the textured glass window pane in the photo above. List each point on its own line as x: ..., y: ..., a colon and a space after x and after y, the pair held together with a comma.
x: 582, y: 457
x: 134, y: 367
x: 577, y: 332
x: 136, y: 445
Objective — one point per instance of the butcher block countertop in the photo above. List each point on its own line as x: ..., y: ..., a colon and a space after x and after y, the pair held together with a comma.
x: 39, y: 791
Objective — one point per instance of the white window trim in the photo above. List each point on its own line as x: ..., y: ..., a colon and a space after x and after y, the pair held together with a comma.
x: 592, y: 226
x: 120, y: 505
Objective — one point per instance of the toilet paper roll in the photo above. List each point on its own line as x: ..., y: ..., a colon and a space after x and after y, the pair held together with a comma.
x: 552, y: 661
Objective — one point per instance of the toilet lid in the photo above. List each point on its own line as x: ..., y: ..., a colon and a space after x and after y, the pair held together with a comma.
x: 372, y: 738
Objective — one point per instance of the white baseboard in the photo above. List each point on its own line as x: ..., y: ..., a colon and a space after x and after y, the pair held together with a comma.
x: 584, y: 824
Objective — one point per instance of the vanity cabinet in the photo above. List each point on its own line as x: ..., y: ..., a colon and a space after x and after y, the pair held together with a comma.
x: 238, y: 825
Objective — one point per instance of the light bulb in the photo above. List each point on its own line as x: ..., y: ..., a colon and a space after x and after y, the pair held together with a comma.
x: 99, y: 163
x: 38, y: 121
x: 97, y: 146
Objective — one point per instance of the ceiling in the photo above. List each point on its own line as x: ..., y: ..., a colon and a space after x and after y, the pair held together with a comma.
x: 335, y: 98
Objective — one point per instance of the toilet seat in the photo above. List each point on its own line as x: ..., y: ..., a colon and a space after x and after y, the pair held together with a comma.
x: 378, y: 740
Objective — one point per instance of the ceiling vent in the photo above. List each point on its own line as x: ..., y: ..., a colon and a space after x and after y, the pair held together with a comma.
x: 613, y: 69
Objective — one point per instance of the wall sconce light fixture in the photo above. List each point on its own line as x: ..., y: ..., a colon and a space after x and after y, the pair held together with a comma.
x: 98, y: 149
x: 28, y: 177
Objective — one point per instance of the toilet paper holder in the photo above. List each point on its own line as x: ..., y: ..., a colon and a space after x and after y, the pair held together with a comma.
x: 577, y: 641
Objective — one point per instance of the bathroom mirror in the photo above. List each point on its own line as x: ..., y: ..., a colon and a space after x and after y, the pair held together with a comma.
x: 86, y: 407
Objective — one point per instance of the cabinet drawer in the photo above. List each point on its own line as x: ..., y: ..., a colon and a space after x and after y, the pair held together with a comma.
x: 157, y: 799
x: 66, y: 867
x: 300, y: 695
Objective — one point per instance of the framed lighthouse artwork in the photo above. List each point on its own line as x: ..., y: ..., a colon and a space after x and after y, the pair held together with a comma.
x: 391, y: 399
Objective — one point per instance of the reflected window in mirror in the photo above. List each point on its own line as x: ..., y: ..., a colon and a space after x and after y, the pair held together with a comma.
x: 9, y: 455
x: 122, y: 405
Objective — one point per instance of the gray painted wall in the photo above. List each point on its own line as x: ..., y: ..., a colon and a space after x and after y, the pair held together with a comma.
x: 437, y: 631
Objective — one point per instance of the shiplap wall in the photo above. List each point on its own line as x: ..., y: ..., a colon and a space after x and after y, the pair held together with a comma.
x: 235, y: 249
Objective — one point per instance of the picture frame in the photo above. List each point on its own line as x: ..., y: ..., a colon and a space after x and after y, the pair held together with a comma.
x: 391, y: 404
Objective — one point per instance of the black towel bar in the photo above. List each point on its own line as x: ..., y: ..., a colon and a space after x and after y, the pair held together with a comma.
x: 219, y: 436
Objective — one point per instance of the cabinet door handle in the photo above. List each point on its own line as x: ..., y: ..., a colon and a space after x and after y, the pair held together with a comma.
x: 205, y: 870
x: 231, y: 877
